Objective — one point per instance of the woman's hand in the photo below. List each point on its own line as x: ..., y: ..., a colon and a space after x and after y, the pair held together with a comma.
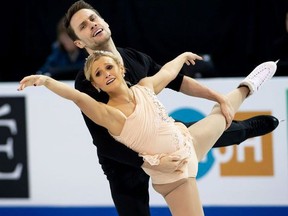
x: 32, y: 80
x: 191, y: 58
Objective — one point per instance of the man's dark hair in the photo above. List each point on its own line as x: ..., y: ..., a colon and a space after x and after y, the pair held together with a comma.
x: 74, y: 8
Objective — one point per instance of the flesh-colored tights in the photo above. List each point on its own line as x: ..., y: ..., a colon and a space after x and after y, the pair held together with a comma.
x: 182, y: 196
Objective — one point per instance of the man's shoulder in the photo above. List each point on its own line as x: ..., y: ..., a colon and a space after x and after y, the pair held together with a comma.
x: 129, y: 51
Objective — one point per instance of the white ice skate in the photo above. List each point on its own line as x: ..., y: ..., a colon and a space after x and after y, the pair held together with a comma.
x: 259, y: 76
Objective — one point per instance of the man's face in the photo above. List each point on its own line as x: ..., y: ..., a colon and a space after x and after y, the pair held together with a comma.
x: 93, y: 32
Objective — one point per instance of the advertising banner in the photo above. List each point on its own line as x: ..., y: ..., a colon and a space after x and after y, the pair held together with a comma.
x: 47, y: 157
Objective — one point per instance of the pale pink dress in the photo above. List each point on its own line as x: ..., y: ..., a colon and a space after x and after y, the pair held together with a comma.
x: 152, y: 133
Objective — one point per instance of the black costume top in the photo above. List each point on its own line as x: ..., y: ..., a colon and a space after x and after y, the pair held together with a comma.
x: 110, y: 153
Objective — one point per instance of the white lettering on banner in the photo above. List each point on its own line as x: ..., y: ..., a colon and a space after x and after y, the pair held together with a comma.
x: 15, y: 175
x: 258, y: 151
x: 11, y: 124
x: 5, y: 109
x: 8, y: 146
x: 224, y: 157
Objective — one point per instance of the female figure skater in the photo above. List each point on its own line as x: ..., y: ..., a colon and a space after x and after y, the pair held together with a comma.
x: 135, y: 117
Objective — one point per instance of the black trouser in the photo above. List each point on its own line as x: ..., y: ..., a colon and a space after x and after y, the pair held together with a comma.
x: 235, y: 134
x: 129, y: 190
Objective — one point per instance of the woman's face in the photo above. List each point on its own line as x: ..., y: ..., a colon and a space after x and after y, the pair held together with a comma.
x: 106, y: 74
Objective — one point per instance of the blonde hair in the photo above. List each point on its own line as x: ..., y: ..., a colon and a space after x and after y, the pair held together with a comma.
x: 95, y: 56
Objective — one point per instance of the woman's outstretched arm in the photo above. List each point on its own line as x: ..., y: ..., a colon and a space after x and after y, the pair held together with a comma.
x: 189, y: 85
x: 169, y: 71
x: 98, y: 112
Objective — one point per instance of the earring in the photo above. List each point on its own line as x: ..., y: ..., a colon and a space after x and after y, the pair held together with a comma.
x: 94, y: 85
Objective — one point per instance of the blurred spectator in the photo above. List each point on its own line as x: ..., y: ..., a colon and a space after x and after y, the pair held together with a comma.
x: 280, y: 51
x: 65, y: 59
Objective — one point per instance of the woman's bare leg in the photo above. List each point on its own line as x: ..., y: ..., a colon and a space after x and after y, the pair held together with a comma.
x: 182, y: 197
x: 207, y: 131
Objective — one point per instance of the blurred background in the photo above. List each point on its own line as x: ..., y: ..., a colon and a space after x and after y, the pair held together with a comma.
x: 235, y: 35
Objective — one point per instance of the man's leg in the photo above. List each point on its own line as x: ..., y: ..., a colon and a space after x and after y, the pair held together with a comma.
x: 129, y: 190
x: 239, y: 131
